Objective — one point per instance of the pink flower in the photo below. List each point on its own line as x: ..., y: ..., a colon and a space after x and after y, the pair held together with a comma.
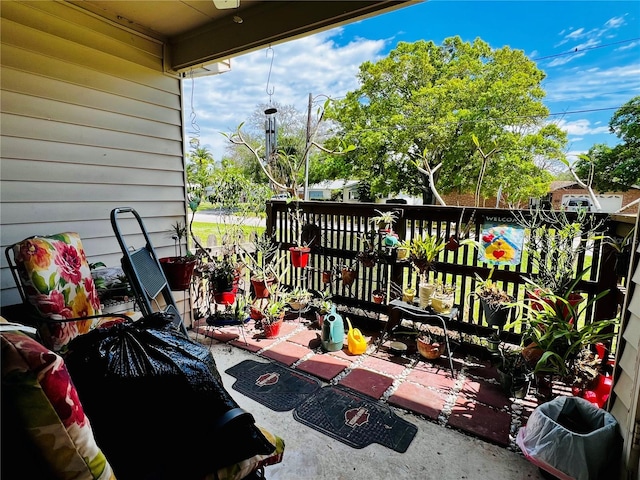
x: 53, y: 304
x: 61, y: 392
x: 69, y: 261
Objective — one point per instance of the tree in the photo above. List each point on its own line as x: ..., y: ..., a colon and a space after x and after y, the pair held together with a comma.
x: 617, y: 168
x: 286, y: 168
x: 224, y: 184
x: 417, y: 110
x: 200, y: 167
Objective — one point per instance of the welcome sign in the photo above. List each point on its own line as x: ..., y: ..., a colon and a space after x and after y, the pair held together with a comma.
x: 502, y: 240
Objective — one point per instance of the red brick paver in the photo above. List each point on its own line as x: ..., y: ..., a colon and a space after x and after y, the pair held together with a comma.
x: 323, y: 366
x: 480, y: 420
x: 431, y: 377
x: 286, y: 352
x: 419, y: 399
x: 485, y: 392
x: 382, y: 366
x: 370, y: 383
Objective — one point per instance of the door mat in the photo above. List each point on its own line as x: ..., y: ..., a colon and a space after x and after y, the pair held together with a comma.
x: 277, y: 387
x: 355, y: 419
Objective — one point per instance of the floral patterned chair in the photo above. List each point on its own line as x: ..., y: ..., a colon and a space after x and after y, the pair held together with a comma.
x: 41, y: 410
x: 54, y: 279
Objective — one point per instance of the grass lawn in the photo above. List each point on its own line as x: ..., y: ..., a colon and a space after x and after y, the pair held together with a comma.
x: 203, y: 229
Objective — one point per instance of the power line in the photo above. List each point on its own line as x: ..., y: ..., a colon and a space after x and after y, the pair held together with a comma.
x: 577, y: 50
x: 490, y: 119
x: 588, y: 110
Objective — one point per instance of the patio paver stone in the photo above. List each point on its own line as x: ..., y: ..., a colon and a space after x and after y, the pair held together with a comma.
x: 419, y: 399
x: 364, y: 381
x: 324, y: 367
x: 286, y: 352
x: 485, y: 422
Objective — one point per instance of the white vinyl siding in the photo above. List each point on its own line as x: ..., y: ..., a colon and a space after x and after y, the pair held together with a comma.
x: 89, y: 122
x: 625, y: 405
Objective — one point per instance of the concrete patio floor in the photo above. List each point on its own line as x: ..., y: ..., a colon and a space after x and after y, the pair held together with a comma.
x: 466, y: 425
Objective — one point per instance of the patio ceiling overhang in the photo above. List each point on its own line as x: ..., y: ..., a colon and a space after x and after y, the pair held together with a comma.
x: 197, y: 32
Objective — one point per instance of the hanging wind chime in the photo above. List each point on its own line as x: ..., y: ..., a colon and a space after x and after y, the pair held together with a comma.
x: 270, y: 124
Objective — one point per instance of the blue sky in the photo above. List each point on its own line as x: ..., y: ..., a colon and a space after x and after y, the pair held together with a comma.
x: 590, y: 51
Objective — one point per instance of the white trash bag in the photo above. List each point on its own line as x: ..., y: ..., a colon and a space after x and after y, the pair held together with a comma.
x: 571, y: 438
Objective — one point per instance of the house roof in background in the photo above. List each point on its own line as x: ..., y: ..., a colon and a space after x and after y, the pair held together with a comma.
x: 560, y: 184
x: 333, y: 184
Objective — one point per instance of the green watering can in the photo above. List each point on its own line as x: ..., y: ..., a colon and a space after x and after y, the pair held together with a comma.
x: 332, y: 331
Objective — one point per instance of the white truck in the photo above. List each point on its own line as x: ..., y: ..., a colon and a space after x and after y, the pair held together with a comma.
x: 608, y: 202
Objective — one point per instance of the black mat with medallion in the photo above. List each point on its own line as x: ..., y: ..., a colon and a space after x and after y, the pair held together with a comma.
x: 336, y: 411
x: 355, y: 419
x: 275, y: 386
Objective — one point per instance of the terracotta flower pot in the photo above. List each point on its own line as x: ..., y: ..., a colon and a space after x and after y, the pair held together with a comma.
x: 272, y: 329
x: 428, y: 349
x: 261, y: 288
x: 299, y: 256
x: 348, y: 276
x: 378, y: 297
x: 225, y: 298
x: 178, y: 272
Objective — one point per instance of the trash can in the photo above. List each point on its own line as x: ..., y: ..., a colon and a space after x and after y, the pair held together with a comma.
x: 572, y: 439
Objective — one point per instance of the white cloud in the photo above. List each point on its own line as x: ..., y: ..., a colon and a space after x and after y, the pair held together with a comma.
x: 580, y: 127
x: 614, y: 22
x: 595, y: 87
x: 589, y: 39
x: 628, y: 46
x: 573, y: 155
x: 575, y: 34
x: 313, y: 64
x: 556, y: 62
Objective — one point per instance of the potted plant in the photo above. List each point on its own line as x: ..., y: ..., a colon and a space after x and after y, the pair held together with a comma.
x: 223, y: 276
x: 378, y: 296
x: 422, y: 252
x: 403, y: 250
x: 348, y: 274
x: 178, y: 269
x: 408, y: 294
x: 514, y: 373
x: 384, y: 220
x: 235, y: 313
x: 298, y: 298
x: 273, y: 315
x: 368, y: 256
x: 429, y: 345
x: 443, y: 298
x: 554, y: 336
x: 622, y: 247
x: 301, y: 250
x: 555, y: 242
x: 322, y: 305
x: 496, y: 303
x: 266, y: 265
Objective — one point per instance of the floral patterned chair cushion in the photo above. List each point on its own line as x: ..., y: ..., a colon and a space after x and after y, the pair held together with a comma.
x: 45, y: 404
x: 57, y: 282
